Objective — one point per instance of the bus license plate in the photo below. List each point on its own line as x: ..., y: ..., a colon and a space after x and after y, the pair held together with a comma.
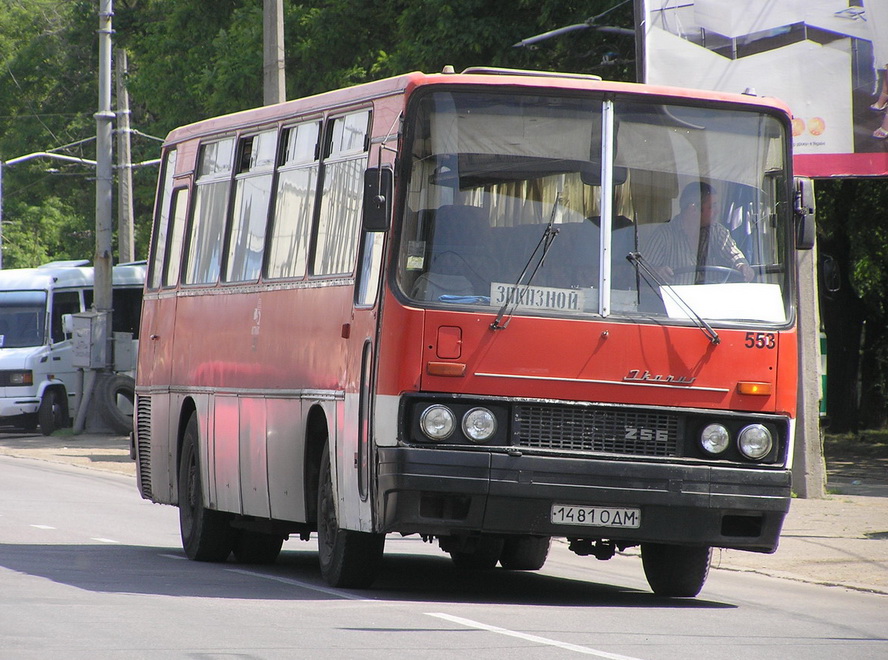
x: 596, y: 516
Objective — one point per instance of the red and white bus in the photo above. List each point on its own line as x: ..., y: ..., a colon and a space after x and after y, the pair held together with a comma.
x: 442, y: 305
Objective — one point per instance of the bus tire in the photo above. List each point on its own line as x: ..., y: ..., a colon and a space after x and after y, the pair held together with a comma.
x: 257, y: 548
x: 348, y: 559
x: 482, y: 557
x: 51, y: 414
x: 525, y: 553
x: 207, y: 535
x: 113, y: 391
x: 675, y: 571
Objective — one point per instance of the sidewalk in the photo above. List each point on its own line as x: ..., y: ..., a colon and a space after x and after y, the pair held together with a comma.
x: 841, y: 540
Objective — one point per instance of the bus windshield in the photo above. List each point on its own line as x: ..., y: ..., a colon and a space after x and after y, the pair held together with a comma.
x: 22, y: 318
x: 505, y: 197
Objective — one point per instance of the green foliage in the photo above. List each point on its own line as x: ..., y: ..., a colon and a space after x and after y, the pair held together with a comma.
x: 46, y: 232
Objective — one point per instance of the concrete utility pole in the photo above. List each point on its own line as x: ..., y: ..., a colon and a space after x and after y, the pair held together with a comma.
x: 274, y: 83
x: 808, y: 469
x: 126, y: 250
x: 104, y: 177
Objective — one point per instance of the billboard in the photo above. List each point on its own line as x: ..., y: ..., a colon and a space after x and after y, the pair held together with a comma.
x: 826, y: 59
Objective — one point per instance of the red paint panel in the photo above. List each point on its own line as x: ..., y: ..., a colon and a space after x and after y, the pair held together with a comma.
x: 449, y: 343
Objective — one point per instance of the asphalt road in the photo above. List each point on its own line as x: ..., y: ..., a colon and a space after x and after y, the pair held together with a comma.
x: 89, y: 570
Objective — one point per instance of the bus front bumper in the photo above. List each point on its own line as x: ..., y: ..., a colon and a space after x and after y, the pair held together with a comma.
x: 441, y: 492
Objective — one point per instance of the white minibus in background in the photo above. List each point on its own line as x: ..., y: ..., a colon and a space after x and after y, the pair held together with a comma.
x: 39, y: 384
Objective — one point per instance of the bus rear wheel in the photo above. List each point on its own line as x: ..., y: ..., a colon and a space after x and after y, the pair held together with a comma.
x: 207, y: 535
x: 348, y: 559
x: 675, y: 571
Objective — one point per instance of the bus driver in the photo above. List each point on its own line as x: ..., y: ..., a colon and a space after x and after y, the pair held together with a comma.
x: 692, y: 245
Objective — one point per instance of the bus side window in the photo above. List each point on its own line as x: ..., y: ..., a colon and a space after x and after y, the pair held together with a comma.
x: 63, y: 302
x: 210, y: 212
x: 252, y: 193
x: 159, y: 239
x: 342, y: 194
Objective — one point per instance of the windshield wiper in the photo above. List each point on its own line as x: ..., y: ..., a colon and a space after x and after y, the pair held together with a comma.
x: 648, y: 273
x: 513, y: 296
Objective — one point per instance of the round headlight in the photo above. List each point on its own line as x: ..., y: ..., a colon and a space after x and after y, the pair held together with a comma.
x: 755, y: 441
x: 715, y: 438
x: 479, y: 424
x: 437, y: 422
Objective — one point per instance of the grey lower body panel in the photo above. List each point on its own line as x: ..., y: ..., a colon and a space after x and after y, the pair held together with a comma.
x: 445, y: 492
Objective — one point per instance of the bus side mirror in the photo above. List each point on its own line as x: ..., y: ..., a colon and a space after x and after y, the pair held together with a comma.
x: 378, y: 190
x: 67, y: 324
x: 805, y: 212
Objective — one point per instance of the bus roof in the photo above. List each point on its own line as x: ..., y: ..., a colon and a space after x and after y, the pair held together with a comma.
x: 64, y: 274
x: 475, y: 76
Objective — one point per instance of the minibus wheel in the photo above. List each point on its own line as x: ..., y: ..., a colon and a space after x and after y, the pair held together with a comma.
x: 525, y: 553
x: 51, y: 414
x: 675, y: 571
x: 207, y: 535
x: 348, y: 558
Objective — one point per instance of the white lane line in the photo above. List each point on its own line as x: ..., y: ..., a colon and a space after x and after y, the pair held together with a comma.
x: 298, y: 583
x: 530, y: 638
x: 168, y: 556
x: 102, y: 540
x: 42, y: 526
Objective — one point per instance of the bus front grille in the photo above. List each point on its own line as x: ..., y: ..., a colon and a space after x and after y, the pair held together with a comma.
x: 600, y: 430
x: 143, y: 443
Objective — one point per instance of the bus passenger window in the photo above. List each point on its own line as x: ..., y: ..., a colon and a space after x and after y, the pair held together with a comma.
x: 294, y: 202
x: 251, y: 197
x: 342, y: 194
x: 210, y: 211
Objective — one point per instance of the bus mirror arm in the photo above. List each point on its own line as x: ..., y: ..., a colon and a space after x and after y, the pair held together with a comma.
x: 804, y: 208
x: 378, y: 186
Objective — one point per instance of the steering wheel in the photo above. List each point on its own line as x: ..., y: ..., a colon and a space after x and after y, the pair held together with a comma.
x: 722, y: 274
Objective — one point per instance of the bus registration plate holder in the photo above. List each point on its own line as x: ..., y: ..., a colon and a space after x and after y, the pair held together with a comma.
x: 596, y: 516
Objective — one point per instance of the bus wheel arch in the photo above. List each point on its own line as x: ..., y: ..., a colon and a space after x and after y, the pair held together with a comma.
x: 188, y: 409
x: 207, y: 535
x: 316, y: 437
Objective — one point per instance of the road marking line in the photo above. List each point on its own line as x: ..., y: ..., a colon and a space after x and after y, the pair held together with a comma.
x: 298, y: 583
x: 531, y: 638
x: 101, y: 540
x: 42, y: 526
x: 168, y: 556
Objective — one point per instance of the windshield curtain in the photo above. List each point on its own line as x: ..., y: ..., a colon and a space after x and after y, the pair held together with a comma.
x: 504, y: 200
x: 22, y: 318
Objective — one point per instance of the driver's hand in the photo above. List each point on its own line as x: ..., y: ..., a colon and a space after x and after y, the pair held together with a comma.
x: 747, y: 272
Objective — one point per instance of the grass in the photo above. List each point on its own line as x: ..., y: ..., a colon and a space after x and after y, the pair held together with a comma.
x: 869, y: 443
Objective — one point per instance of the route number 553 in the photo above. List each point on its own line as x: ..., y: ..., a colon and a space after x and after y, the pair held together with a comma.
x: 761, y: 340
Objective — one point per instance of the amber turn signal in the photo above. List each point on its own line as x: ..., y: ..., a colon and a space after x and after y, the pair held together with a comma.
x: 445, y: 368
x: 756, y: 389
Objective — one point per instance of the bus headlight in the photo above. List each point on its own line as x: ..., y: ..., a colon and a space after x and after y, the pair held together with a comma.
x: 715, y: 439
x: 437, y: 422
x: 755, y: 441
x: 479, y: 425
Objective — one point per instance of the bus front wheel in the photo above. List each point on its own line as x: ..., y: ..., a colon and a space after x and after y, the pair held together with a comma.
x: 675, y: 571
x: 348, y: 559
x: 207, y: 535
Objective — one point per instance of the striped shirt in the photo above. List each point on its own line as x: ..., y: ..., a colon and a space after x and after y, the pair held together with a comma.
x: 668, y: 245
